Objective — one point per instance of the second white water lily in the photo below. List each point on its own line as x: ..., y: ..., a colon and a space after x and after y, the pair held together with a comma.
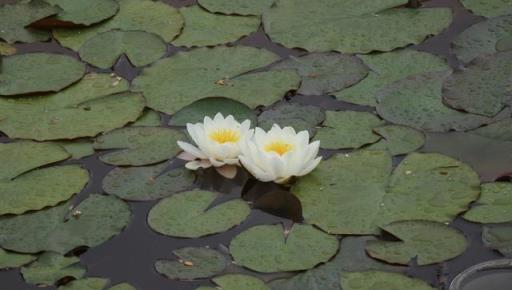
x: 218, y: 144
x: 279, y: 154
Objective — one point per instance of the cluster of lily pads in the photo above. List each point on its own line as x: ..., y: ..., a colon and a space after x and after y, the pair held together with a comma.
x: 58, y: 108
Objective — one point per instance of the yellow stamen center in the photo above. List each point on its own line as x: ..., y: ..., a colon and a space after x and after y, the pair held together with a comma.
x: 278, y: 147
x: 225, y: 136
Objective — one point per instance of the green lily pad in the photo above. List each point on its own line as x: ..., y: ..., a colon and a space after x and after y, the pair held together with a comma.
x: 381, y: 280
x: 488, y: 8
x: 7, y: 49
x: 92, y: 222
x: 355, y: 194
x: 348, y: 129
x: 269, y: 248
x: 195, y: 112
x: 482, y: 38
x: 149, y: 118
x: 170, y: 84
x: 417, y: 102
x: 387, y: 68
x: 147, y: 183
x: 78, y: 149
x: 427, y: 242
x: 16, y: 17
x: 498, y: 237
x: 355, y: 26
x: 483, y: 87
x: 494, y: 204
x: 134, y: 15
x: 236, y: 282
x: 14, y: 260
x: 140, y: 47
x: 300, y: 117
x: 50, y: 267
x: 83, y: 110
x: 501, y: 130
x: 139, y: 145
x: 239, y: 7
x: 398, y: 139
x: 193, y: 263
x: 94, y: 283
x: 324, y: 73
x: 85, y: 12
x: 198, y: 23
x: 38, y: 72
x: 188, y: 215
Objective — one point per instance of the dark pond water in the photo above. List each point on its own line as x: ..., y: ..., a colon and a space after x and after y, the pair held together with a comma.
x: 130, y: 256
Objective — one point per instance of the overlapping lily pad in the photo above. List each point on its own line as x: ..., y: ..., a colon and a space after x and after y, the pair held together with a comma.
x: 147, y: 183
x: 324, y: 73
x: 501, y: 130
x: 82, y: 110
x: 484, y: 87
x: 237, y: 282
x: 352, y: 26
x: 140, y: 47
x: 148, y: 118
x: 193, y: 263
x: 142, y: 15
x: 13, y: 260
x: 188, y: 215
x: 348, y: 129
x: 398, y: 139
x: 488, y: 8
x: 172, y: 83
x: 494, y: 204
x: 94, y: 283
x: 139, y: 145
x: 300, y: 117
x: 239, y: 7
x: 195, y: 112
x: 355, y: 194
x: 16, y: 17
x: 198, y: 22
x: 38, y: 72
x: 78, y: 149
x: 85, y: 12
x: 50, y: 267
x: 377, y: 280
x: 387, y: 68
x: 59, y: 229
x: 498, y: 237
x: 268, y: 248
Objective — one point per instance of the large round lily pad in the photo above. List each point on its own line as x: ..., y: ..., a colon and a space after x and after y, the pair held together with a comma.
x: 142, y: 15
x: 494, y: 204
x: 139, y: 145
x: 84, y: 109
x: 269, y: 248
x: 149, y: 118
x: 50, y: 267
x: 85, y: 12
x: 59, y: 229
x: 198, y: 23
x: 188, y: 215
x: 147, y: 183
x: 398, y: 139
x: 354, y: 26
x: 387, y: 68
x: 381, y: 280
x: 38, y: 72
x: 140, y: 47
x: 498, y: 237
x: 170, y: 84
x: 488, y: 8
x: 300, y: 117
x: 238, y: 7
x: 324, y: 73
x: 13, y: 260
x: 348, y: 129
x: 237, y: 282
x: 193, y: 263
x: 484, y: 87
x: 501, y: 130
x: 427, y: 242
x: 78, y: 149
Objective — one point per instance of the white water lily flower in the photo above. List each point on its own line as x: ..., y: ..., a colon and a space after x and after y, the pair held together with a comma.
x: 279, y: 154
x: 218, y: 144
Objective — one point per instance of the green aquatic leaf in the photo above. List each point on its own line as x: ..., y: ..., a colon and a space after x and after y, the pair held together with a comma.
x: 195, y: 112
x: 134, y: 15
x: 170, y: 84
x: 501, y: 130
x: 50, y: 267
x: 348, y: 129
x: 188, y: 215
x: 193, y: 263
x: 78, y: 149
x: 381, y: 280
x: 488, y: 8
x: 269, y: 248
x: 85, y: 12
x: 198, y: 23
x: 398, y: 139
x: 147, y: 183
x: 324, y: 73
x: 14, y: 260
x: 300, y: 117
x: 236, y: 282
x: 149, y: 118
x: 238, y: 7
x: 387, y: 68
x: 352, y: 26
x: 94, y: 283
x: 498, y: 237
x: 38, y: 72
x: 59, y: 229
x: 104, y: 49
x: 83, y: 110
x: 7, y: 49
x: 494, y: 204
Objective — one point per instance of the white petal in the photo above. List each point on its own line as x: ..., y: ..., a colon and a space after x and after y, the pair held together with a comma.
x: 228, y: 171
x: 218, y: 117
x: 216, y: 163
x: 192, y: 165
x: 186, y: 156
x: 189, y: 148
x: 312, y: 165
x: 254, y: 170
